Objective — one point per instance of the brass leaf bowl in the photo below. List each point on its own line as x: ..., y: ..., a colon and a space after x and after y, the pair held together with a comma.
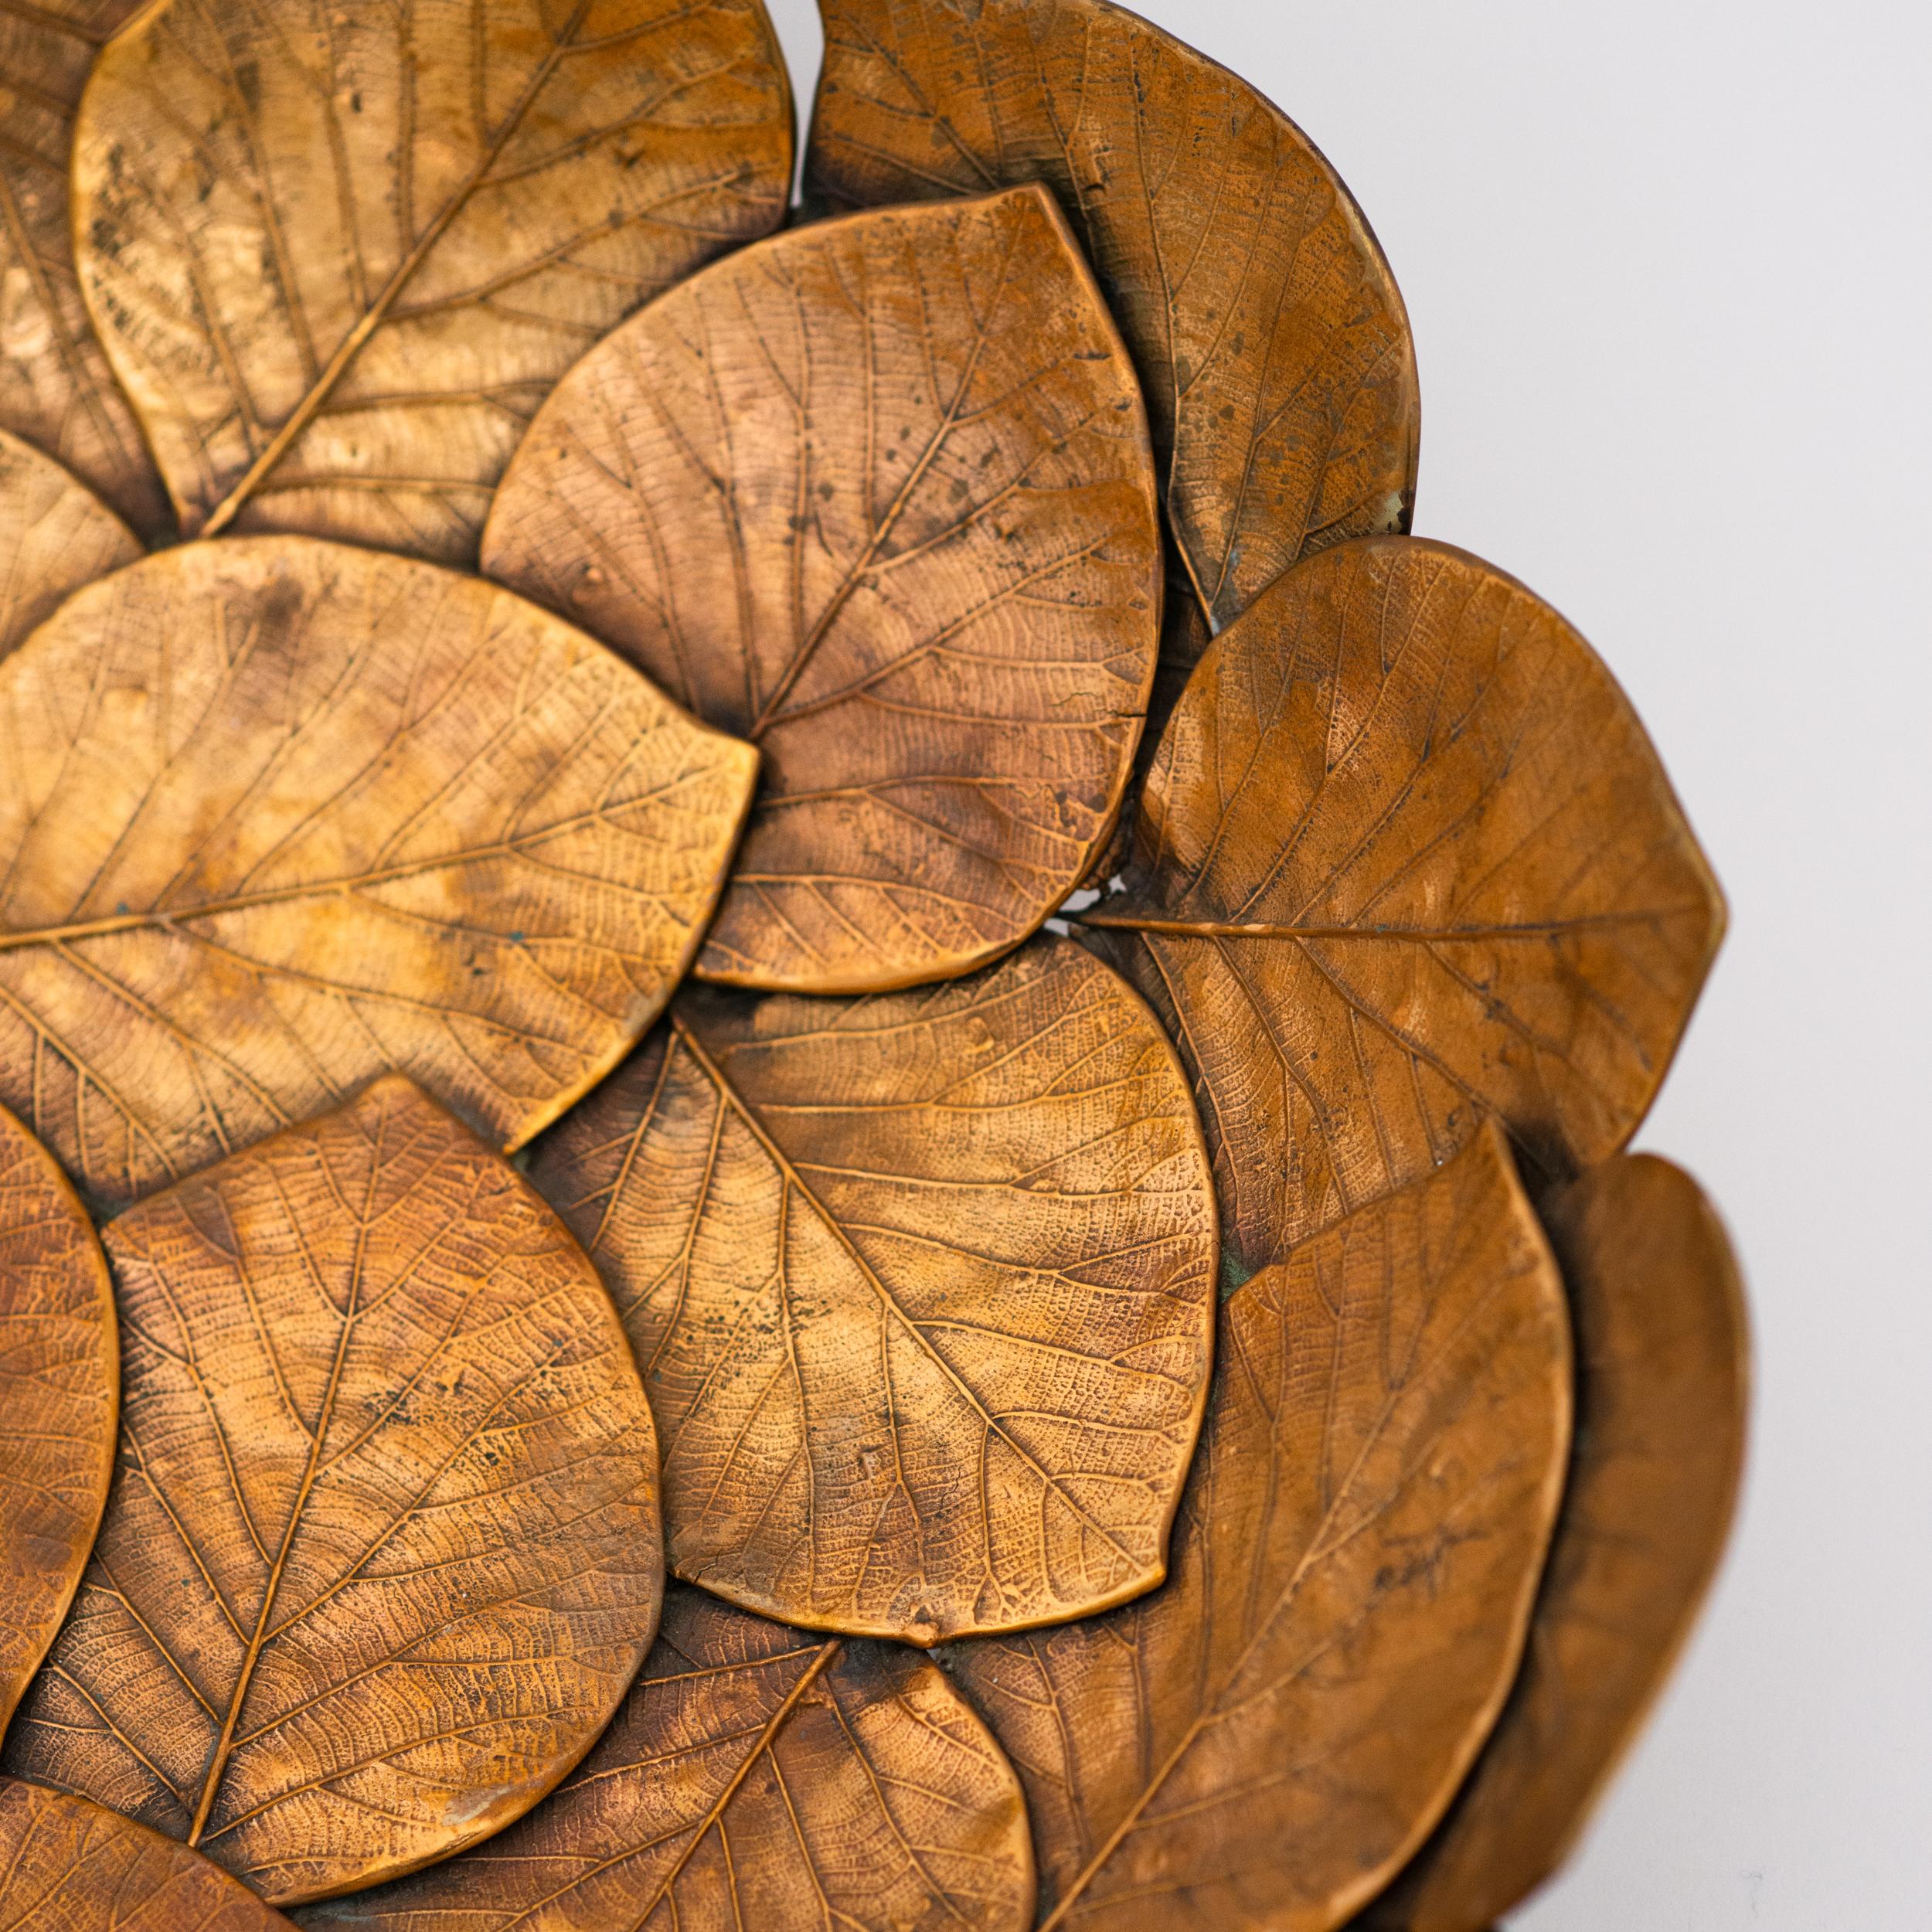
x: 818, y: 900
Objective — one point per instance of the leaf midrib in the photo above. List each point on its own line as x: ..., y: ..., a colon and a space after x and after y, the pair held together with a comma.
x: 224, y: 1746
x: 1419, y: 935
x: 769, y: 712
x: 347, y: 883
x: 827, y: 1654
x: 1319, y: 1548
x: 373, y: 317
x: 740, y: 1106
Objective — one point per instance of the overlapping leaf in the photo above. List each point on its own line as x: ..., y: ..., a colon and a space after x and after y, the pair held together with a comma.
x: 1268, y: 331
x: 876, y: 495
x: 68, y: 1866
x: 55, y: 536
x: 59, y: 1393
x: 338, y: 255
x: 753, y: 1777
x: 922, y: 1285
x: 1406, y: 857
x: 1262, y: 1741
x: 56, y: 388
x: 1661, y: 1396
x: 277, y: 815
x: 381, y: 1554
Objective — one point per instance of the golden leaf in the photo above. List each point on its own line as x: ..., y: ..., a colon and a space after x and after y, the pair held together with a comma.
x: 1405, y: 857
x: 55, y: 535
x: 68, y: 1865
x: 59, y: 1396
x: 339, y: 255
x: 1262, y: 1741
x: 381, y: 1554
x: 1184, y: 637
x: 875, y: 494
x: 922, y: 1285
x: 1662, y: 1392
x: 56, y: 388
x: 754, y: 1778
x: 278, y: 815
x: 1269, y: 334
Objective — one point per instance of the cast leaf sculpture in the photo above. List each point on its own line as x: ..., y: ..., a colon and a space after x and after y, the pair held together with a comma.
x: 753, y: 1771
x: 1268, y: 330
x: 67, y: 1864
x: 877, y: 496
x: 1659, y: 1316
x: 1112, y: 1384
x: 1263, y: 1741
x: 382, y: 1551
x: 277, y: 816
x: 55, y: 536
x: 922, y: 1285
x: 1405, y: 860
x: 59, y: 1397
x: 57, y: 389
x: 337, y: 258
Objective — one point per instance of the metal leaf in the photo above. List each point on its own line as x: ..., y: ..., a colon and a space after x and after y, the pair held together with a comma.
x: 1405, y: 858
x: 277, y: 816
x: 60, y: 1399
x: 1263, y: 1741
x: 339, y: 255
x: 924, y: 1288
x: 57, y: 389
x: 67, y: 1866
x: 876, y: 495
x: 55, y: 534
x: 1268, y: 329
x: 1663, y: 1389
x: 753, y: 1777
x: 381, y: 1554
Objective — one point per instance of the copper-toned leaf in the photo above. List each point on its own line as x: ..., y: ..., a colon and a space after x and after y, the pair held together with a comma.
x: 55, y: 535
x: 1406, y: 857
x: 381, y: 1554
x: 58, y: 1393
x: 1268, y: 331
x: 1662, y: 1390
x: 877, y: 496
x: 754, y: 1778
x: 339, y: 254
x: 56, y: 387
x: 68, y: 1866
x: 278, y: 815
x: 922, y: 1285
x: 1265, y: 1740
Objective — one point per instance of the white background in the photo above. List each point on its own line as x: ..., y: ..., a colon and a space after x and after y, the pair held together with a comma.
x: 1669, y: 267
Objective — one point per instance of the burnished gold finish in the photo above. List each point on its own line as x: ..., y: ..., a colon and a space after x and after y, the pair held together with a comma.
x: 1405, y: 858
x: 68, y: 1866
x: 922, y: 1286
x: 277, y: 816
x: 1027, y: 513
x: 381, y: 1554
x: 338, y: 258
x: 1663, y: 1375
x: 1269, y: 334
x: 1263, y: 1741
x: 56, y: 388
x: 55, y: 534
x: 59, y: 1398
x: 754, y: 1777
x: 877, y: 496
